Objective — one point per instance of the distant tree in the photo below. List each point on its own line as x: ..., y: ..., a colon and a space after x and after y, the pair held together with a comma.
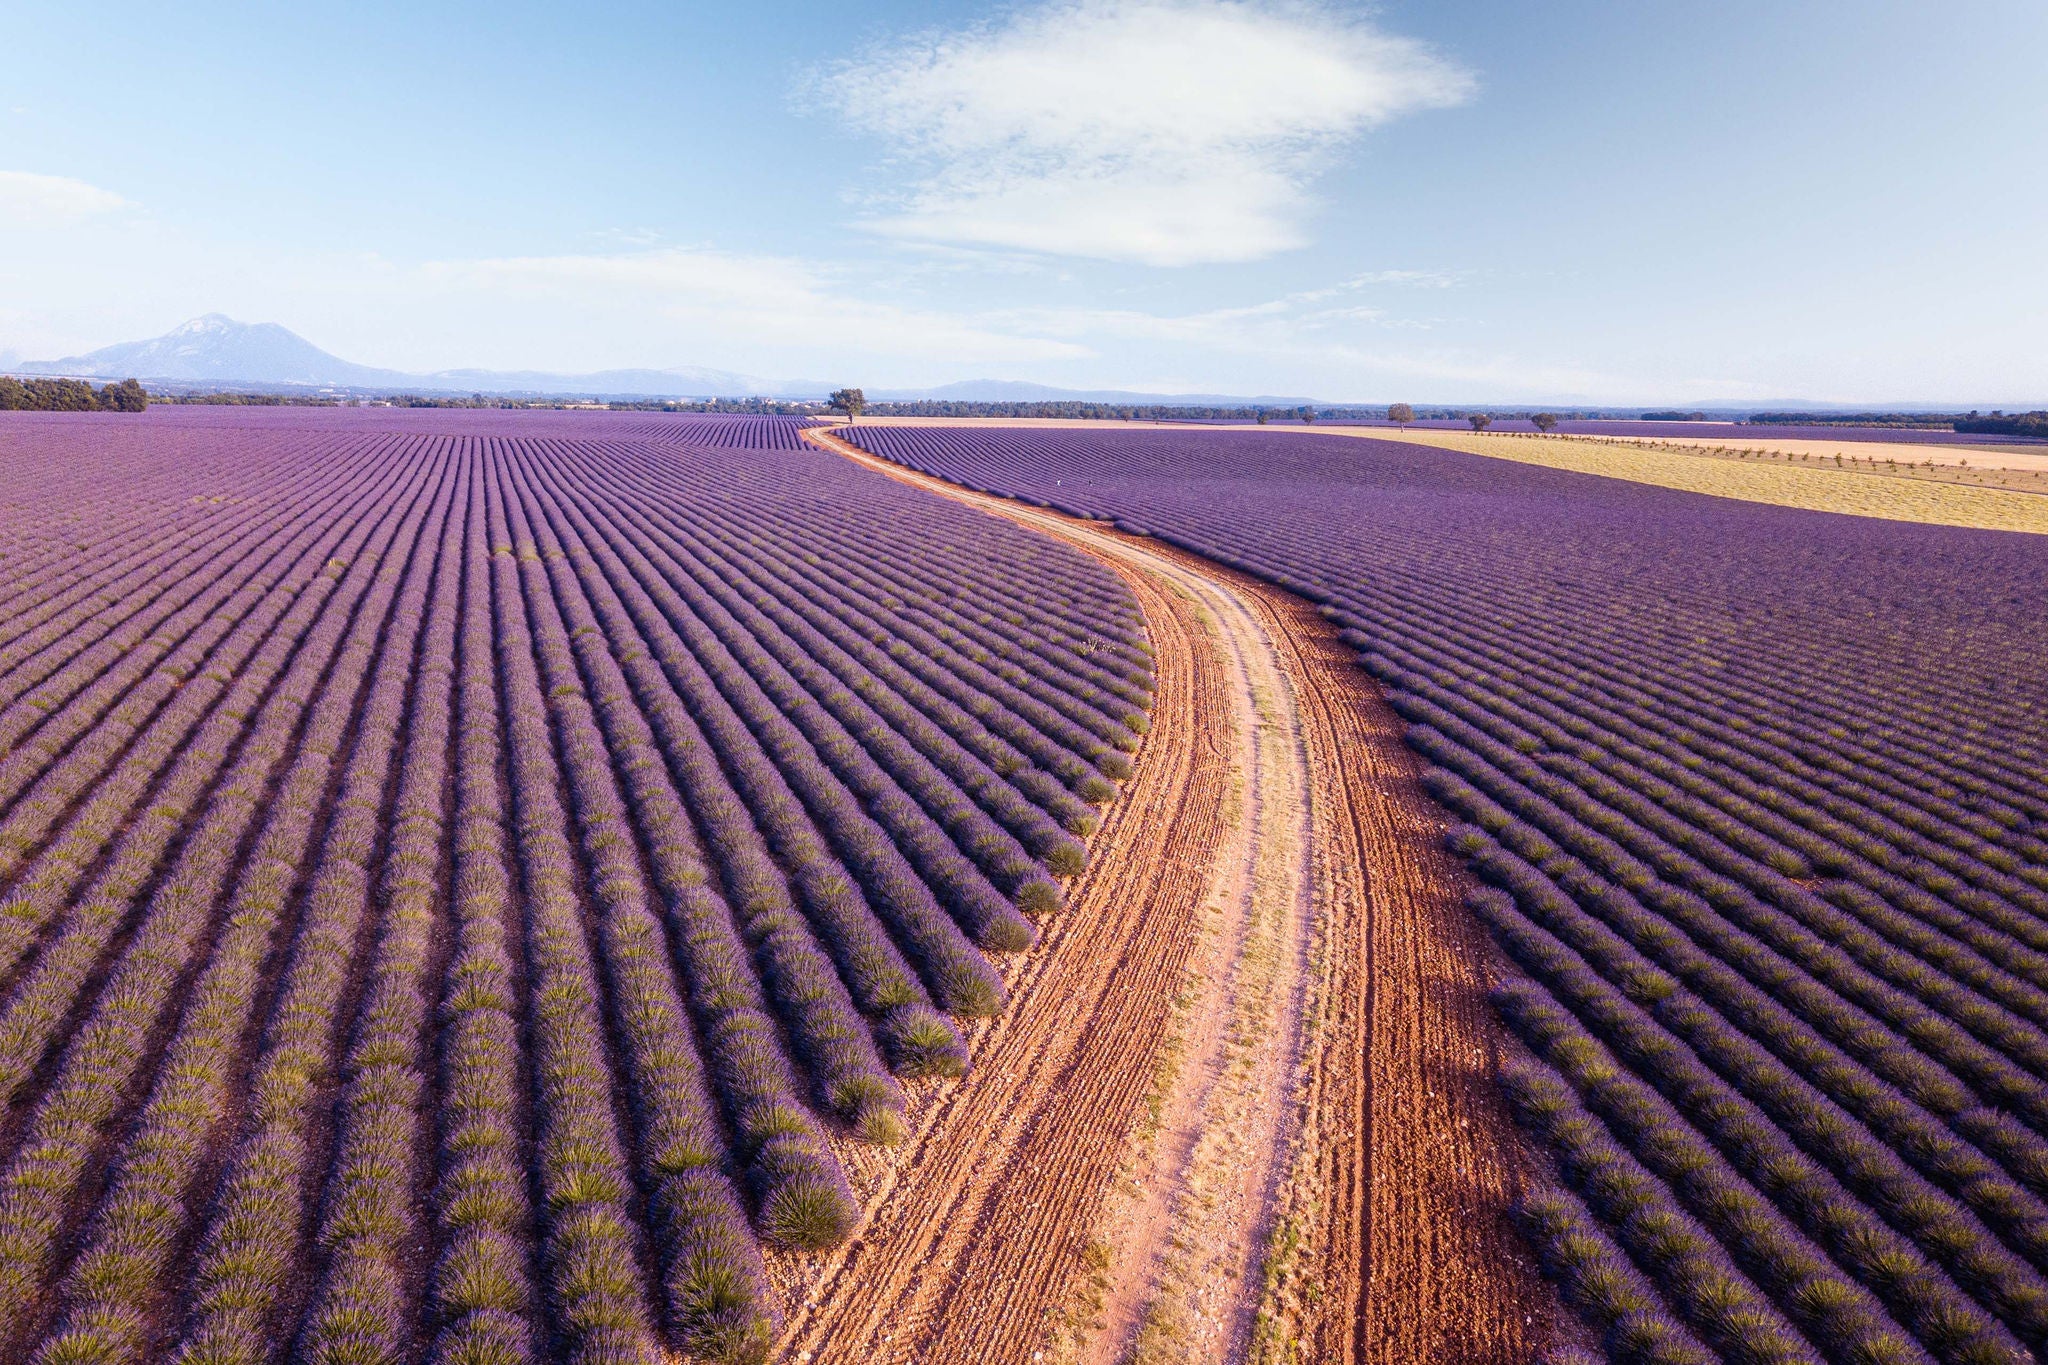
x: 126, y: 396
x: 1998, y: 424
x: 70, y: 395
x: 848, y: 401
x: 1262, y: 417
x: 1545, y: 421
x: 1479, y: 420
x: 1308, y: 415
x: 1402, y: 413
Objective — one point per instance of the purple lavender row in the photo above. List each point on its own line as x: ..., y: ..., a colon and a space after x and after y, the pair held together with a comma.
x: 191, y: 745
x: 115, y: 1284
x: 84, y: 575
x: 61, y: 738
x: 1093, y: 596
x: 1944, y: 975
x: 1079, y: 750
x: 481, y: 1303
x: 982, y: 911
x: 162, y: 651
x: 1675, y: 1280
x: 696, y: 729
x: 189, y: 432
x: 1091, y: 738
x: 713, y: 1292
x: 796, y: 1180
x: 1030, y: 622
x: 82, y: 610
x: 593, y: 1276
x: 250, y: 1248
x: 1634, y: 1321
x: 1869, y: 1141
x: 1817, y: 818
x: 959, y: 978
x: 1107, y: 719
x: 876, y: 971
x: 1871, y: 779
x: 1820, y: 1293
x: 814, y: 1004
x: 1942, y: 1240
x: 1846, y: 1188
x: 1869, y: 1000
x: 367, y: 1299
x: 75, y: 562
x: 914, y: 751
x: 1909, y: 1119
x: 914, y: 668
x: 1064, y: 616
x: 282, y: 768
x: 896, y: 588
x: 1979, y: 929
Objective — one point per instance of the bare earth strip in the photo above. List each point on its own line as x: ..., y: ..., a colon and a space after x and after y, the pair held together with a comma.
x: 1237, y: 1109
x: 974, y: 1236
x: 1185, y: 1242
x: 1416, y: 1146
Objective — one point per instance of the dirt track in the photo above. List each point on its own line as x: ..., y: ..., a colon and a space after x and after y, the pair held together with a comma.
x: 1237, y: 1107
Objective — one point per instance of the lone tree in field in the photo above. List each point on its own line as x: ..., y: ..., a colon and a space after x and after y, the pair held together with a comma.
x: 1308, y: 415
x: 1402, y: 413
x: 1545, y: 422
x: 848, y: 401
x: 1262, y: 417
x: 1480, y: 421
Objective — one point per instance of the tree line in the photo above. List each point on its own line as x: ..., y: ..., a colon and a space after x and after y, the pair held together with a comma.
x: 2002, y: 424
x: 70, y: 395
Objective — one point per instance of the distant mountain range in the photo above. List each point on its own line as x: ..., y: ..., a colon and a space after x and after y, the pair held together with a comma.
x: 216, y: 352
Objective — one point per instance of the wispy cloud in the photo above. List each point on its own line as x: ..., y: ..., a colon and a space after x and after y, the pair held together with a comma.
x: 1166, y: 132
x: 1289, y: 325
x: 26, y: 197
x: 712, y: 296
x: 1416, y: 279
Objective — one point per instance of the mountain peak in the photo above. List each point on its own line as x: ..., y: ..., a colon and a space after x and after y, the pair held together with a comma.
x: 215, y: 350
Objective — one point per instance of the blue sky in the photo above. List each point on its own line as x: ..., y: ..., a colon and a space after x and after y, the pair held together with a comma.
x: 1574, y: 201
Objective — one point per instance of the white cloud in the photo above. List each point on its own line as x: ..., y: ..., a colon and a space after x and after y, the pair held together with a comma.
x: 26, y: 197
x: 1167, y: 132
x: 729, y: 298
x: 1417, y: 279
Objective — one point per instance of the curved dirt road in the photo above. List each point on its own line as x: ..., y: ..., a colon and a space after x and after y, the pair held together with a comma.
x: 1237, y: 1107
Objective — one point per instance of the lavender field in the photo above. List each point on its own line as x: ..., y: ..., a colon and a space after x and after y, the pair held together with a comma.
x: 1683, y: 432
x: 1757, y: 800
x: 465, y: 878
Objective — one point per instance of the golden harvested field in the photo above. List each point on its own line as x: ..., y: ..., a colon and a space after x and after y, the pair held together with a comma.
x: 1858, y: 492
x: 2030, y: 458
